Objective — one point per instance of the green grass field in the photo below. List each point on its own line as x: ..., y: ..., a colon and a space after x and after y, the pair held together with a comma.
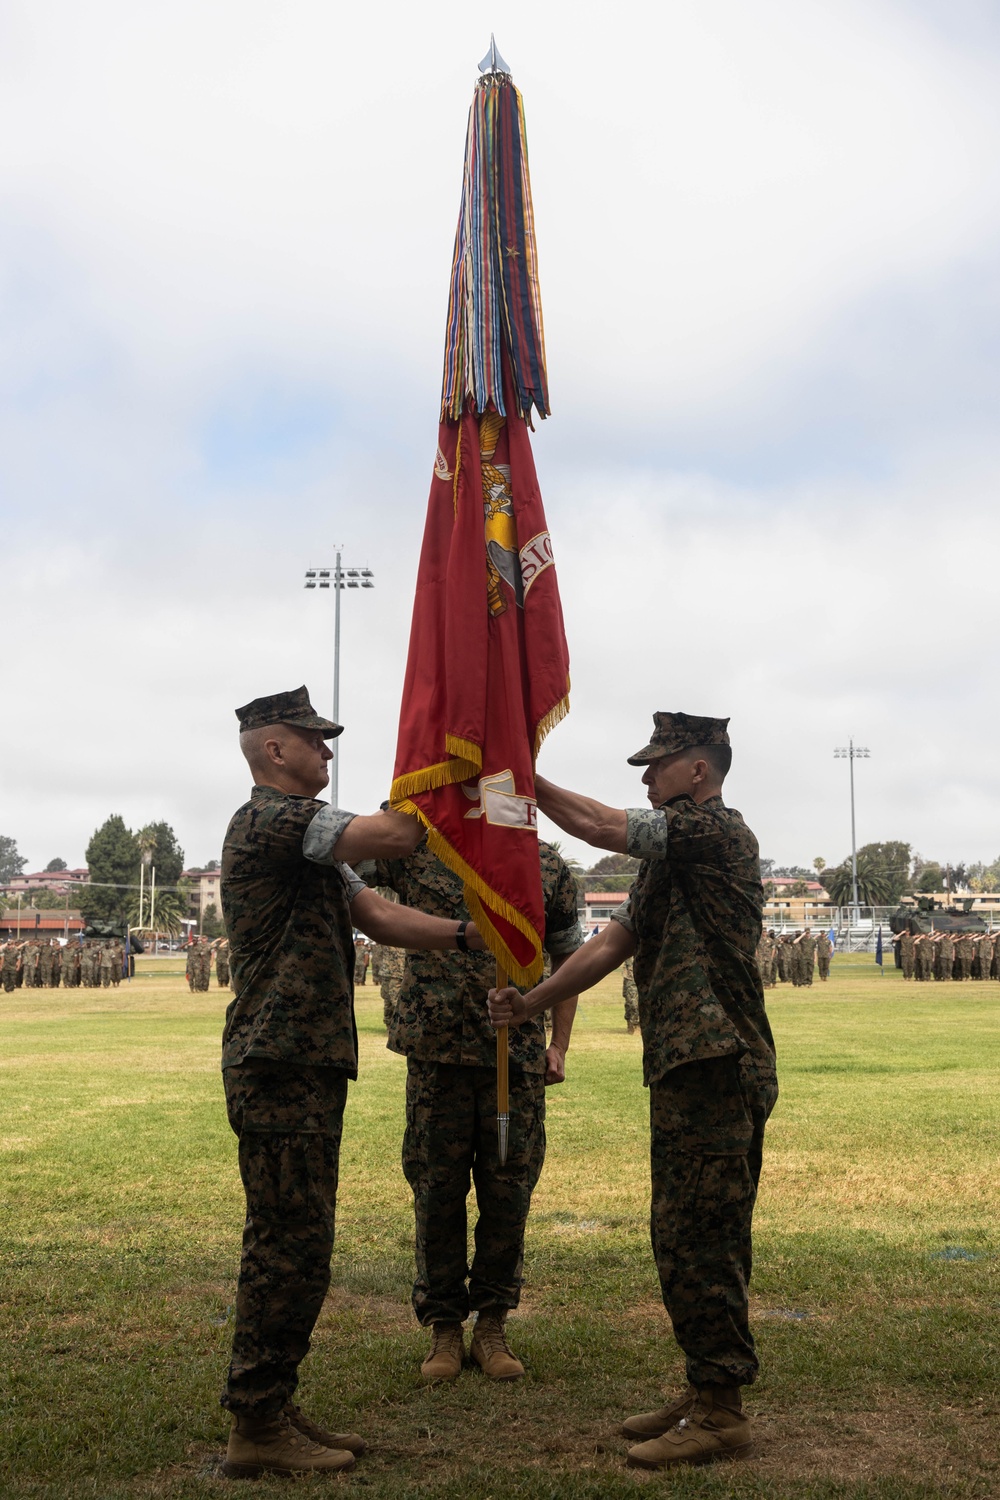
x: 876, y: 1293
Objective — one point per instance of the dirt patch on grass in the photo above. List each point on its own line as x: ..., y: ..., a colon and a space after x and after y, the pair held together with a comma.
x: 928, y: 1445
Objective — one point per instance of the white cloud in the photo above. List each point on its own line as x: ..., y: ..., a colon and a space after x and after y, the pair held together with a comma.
x: 768, y: 236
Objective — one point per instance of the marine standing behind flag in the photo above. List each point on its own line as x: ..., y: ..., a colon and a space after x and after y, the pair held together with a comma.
x: 488, y: 668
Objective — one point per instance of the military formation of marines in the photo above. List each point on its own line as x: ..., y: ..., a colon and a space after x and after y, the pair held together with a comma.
x: 198, y: 963
x: 300, y: 880
x: 41, y: 963
x: 793, y: 957
x: 949, y: 955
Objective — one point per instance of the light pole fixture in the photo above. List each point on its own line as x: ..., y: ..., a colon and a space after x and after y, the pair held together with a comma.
x: 852, y: 752
x: 337, y: 578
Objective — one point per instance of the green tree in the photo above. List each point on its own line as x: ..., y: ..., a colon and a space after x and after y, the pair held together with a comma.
x: 54, y: 865
x: 168, y: 916
x: 891, y: 861
x: 113, y: 860
x: 43, y: 900
x: 11, y: 863
x: 615, y: 872
x: 211, y: 926
x: 931, y: 876
x: 985, y: 878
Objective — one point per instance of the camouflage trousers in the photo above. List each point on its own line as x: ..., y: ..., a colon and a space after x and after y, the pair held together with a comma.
x: 706, y: 1140
x: 390, y: 994
x: 451, y: 1135
x: 823, y: 964
x: 630, y: 994
x: 289, y: 1122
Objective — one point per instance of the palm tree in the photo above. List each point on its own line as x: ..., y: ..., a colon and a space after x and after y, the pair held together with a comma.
x: 873, y: 888
x: 171, y: 909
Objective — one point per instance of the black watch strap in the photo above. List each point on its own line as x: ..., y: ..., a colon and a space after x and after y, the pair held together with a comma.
x: 460, y: 942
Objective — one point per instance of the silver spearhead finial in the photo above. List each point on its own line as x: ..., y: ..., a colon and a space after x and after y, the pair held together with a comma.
x: 493, y: 62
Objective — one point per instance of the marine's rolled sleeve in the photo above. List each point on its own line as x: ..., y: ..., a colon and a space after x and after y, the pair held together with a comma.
x: 647, y: 832
x: 322, y: 834
x: 623, y: 914
x: 355, y: 885
x: 561, y: 944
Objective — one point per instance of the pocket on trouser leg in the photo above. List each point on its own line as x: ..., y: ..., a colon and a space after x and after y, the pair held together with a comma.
x: 284, y: 1175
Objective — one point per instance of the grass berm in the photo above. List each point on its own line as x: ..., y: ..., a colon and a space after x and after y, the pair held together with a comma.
x: 876, y: 1295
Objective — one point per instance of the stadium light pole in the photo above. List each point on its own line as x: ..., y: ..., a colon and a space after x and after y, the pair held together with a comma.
x: 852, y: 752
x: 337, y: 578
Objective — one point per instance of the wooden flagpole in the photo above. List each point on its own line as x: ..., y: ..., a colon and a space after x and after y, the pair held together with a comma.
x: 503, y: 1092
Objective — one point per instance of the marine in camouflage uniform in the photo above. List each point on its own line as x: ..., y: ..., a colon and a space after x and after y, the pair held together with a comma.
x: 376, y: 963
x: 965, y: 952
x: 107, y: 964
x: 907, y: 955
x: 360, y: 962
x: 694, y: 919
x: 45, y: 965
x: 391, y: 971
x: 984, y: 956
x: 631, y: 997
x: 923, y: 957
x: 944, y: 958
x: 806, y: 962
x: 766, y: 959
x: 71, y: 965
x: 30, y: 966
x: 783, y: 958
x: 289, y: 1049
x: 824, y: 949
x: 440, y: 1024
x: 11, y: 966
x: 222, y: 963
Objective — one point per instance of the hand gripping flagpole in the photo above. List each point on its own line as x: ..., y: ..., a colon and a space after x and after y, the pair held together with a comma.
x: 503, y: 1089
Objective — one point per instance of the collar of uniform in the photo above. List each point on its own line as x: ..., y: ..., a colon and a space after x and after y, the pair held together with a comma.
x: 260, y: 793
x: 687, y: 797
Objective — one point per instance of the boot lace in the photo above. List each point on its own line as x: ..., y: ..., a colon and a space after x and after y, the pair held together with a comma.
x: 492, y: 1334
x: 446, y: 1338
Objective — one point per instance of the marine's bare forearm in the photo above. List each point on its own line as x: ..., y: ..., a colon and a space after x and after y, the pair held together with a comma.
x: 582, y: 970
x: 405, y: 927
x: 583, y: 817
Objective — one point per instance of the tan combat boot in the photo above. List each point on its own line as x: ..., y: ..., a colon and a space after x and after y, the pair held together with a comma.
x: 447, y: 1351
x: 490, y: 1349
x: 351, y: 1441
x: 655, y: 1423
x: 274, y: 1446
x: 715, y: 1427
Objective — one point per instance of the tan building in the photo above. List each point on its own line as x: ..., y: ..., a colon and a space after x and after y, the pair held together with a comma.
x: 206, y: 891
x: 48, y: 880
x: 598, y: 907
x: 796, y: 903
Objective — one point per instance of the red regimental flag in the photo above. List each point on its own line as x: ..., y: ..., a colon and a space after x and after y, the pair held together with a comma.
x: 487, y: 677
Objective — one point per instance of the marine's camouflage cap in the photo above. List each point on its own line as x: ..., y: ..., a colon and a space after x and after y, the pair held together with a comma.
x: 674, y: 732
x: 286, y: 708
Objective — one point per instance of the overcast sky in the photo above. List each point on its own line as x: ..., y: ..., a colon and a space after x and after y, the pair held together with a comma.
x: 768, y: 241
